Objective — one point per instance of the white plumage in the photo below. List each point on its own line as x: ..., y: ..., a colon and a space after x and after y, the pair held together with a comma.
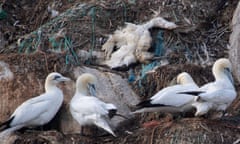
x: 39, y: 110
x: 169, y: 97
x: 132, y: 43
x: 89, y: 110
x: 217, y: 95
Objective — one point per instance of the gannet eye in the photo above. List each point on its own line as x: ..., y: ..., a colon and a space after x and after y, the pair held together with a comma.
x: 227, y: 69
x: 56, y: 77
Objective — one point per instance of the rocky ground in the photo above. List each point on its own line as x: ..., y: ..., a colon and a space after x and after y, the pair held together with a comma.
x: 202, y: 37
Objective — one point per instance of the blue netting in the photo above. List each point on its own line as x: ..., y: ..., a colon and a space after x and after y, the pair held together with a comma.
x: 145, y: 69
x: 131, y: 77
x: 159, y: 44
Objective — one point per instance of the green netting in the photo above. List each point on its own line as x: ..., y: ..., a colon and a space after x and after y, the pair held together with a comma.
x: 3, y: 13
x: 71, y: 54
x: 33, y: 42
x: 145, y: 69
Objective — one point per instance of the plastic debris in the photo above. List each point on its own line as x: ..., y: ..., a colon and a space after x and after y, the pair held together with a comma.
x: 131, y: 77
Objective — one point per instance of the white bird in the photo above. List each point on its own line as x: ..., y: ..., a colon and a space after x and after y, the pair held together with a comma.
x: 132, y: 43
x: 89, y: 110
x: 217, y: 95
x: 168, y: 99
x: 39, y: 110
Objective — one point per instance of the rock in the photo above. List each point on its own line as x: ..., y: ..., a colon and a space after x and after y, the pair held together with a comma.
x: 9, y: 140
x: 234, y: 52
x: 3, y: 42
x: 22, y: 77
x: 112, y: 88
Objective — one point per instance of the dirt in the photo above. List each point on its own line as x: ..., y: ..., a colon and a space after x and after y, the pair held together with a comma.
x: 201, y: 38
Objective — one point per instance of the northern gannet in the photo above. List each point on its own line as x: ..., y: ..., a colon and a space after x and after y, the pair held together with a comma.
x: 132, y: 43
x: 89, y: 110
x: 217, y: 95
x: 168, y: 99
x: 39, y: 110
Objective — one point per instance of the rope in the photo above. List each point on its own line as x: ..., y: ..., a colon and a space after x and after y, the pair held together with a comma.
x: 69, y: 46
x: 93, y: 36
x: 124, y: 11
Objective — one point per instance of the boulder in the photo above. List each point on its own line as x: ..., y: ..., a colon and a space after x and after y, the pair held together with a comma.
x: 22, y: 77
x: 111, y: 88
x: 234, y: 52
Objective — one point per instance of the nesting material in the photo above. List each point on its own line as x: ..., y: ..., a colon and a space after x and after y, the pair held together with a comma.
x: 132, y: 43
x: 5, y: 72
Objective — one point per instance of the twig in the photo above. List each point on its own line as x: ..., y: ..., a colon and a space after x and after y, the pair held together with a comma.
x: 204, y: 127
x: 152, y: 135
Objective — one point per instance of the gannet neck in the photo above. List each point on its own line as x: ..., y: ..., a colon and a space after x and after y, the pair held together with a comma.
x: 184, y: 78
x: 187, y: 80
x: 49, y: 86
x: 81, y: 89
x: 220, y: 75
x: 218, y: 69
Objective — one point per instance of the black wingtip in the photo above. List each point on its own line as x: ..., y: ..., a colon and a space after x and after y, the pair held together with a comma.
x: 6, y: 124
x: 147, y: 103
x: 194, y: 93
x: 112, y: 113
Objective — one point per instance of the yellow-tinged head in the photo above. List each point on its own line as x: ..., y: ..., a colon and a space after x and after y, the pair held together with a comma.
x: 53, y: 79
x: 86, y: 84
x: 222, y: 69
x: 184, y: 78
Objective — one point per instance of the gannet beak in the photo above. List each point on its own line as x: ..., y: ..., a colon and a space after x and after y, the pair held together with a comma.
x: 92, y: 89
x: 64, y: 79
x: 229, y: 75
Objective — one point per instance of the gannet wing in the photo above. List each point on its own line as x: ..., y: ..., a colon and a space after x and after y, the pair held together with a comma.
x: 169, y: 96
x: 88, y: 106
x: 30, y: 110
x: 174, y: 90
x: 219, y: 96
x: 102, y: 123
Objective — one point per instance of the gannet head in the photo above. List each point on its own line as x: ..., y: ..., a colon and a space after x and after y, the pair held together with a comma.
x: 222, y: 68
x: 53, y: 79
x: 184, y: 78
x: 86, y: 84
